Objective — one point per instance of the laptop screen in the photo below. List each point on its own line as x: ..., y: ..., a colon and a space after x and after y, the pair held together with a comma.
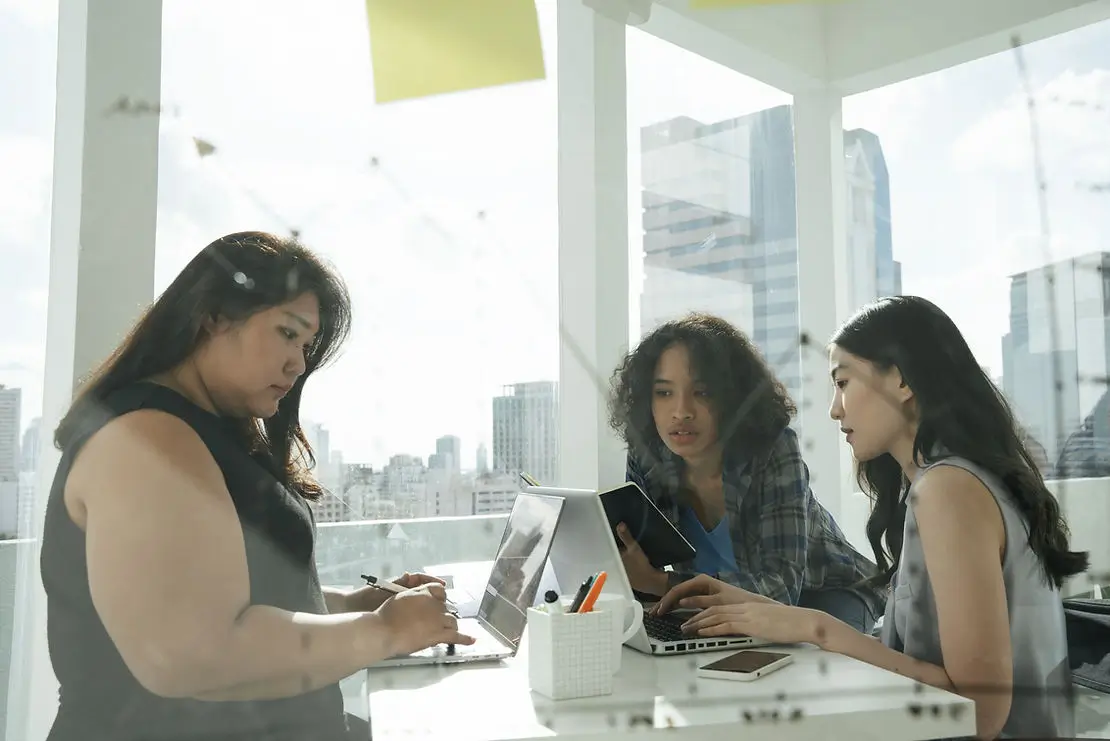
x: 519, y: 565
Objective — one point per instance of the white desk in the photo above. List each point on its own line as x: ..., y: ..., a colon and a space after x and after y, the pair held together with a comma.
x: 821, y: 695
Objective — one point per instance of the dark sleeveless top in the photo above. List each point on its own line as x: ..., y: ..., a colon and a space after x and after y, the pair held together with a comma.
x: 99, y: 697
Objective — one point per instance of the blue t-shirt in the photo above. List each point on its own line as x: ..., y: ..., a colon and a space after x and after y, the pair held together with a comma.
x: 714, y: 548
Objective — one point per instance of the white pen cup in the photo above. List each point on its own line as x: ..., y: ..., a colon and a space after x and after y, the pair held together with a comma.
x: 568, y: 654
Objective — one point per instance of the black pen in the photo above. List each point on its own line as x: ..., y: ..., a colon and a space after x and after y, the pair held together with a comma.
x: 581, y: 595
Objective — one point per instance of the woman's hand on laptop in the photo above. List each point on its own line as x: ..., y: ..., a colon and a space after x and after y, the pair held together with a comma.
x: 704, y: 591
x: 418, y: 618
x: 642, y: 576
x: 771, y: 621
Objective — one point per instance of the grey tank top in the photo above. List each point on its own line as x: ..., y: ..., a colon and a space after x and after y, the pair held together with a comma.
x: 1042, y: 705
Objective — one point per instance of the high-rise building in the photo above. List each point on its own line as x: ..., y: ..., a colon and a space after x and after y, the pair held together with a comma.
x: 1062, y: 327
x: 526, y: 430
x: 30, y: 454
x: 328, y: 470
x: 320, y: 441
x: 872, y: 269
x: 482, y: 461
x: 720, y: 227
x: 10, y: 399
x: 448, y: 455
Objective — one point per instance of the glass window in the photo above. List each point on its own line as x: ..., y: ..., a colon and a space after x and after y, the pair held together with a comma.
x: 711, y: 186
x: 441, y: 215
x: 28, y: 47
x: 961, y: 199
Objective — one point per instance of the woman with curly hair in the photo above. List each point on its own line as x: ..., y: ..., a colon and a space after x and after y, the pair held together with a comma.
x: 707, y: 429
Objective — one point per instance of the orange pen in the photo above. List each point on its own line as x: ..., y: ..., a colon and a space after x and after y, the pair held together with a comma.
x: 595, y: 590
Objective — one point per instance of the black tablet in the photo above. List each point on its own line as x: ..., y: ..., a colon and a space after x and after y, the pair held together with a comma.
x: 660, y: 540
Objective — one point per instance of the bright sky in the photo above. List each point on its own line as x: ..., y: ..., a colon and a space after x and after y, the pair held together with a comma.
x: 449, y: 244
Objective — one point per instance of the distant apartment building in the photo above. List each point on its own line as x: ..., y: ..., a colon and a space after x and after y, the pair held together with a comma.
x: 448, y: 455
x: 30, y: 451
x: 10, y: 403
x: 333, y: 507
x: 360, y: 489
x: 526, y: 430
x: 10, y: 400
x: 494, y: 493
x: 447, y: 493
x: 720, y: 227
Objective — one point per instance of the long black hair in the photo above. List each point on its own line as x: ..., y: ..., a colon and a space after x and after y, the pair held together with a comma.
x: 232, y: 278
x: 751, y: 405
x: 960, y: 413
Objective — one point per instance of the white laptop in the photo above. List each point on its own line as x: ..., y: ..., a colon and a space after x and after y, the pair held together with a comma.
x: 510, y: 591
x: 584, y: 544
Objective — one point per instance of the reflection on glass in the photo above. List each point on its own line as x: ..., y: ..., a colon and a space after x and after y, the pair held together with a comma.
x: 718, y: 213
x: 1061, y: 327
x: 519, y: 564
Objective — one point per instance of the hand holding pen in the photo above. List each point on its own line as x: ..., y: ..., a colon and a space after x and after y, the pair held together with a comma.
x: 415, y: 619
x: 405, y: 582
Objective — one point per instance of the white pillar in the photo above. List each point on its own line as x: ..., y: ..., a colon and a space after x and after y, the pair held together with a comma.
x: 593, y: 241
x: 101, y: 263
x: 822, y: 281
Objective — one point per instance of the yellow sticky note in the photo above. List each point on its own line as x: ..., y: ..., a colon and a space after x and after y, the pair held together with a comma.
x: 428, y: 47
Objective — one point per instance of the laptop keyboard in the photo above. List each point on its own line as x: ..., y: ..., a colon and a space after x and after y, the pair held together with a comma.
x: 664, y: 627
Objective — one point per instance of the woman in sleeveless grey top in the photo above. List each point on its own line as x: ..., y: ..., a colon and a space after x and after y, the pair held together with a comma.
x: 963, y: 529
x: 1041, y: 706
x: 178, y: 553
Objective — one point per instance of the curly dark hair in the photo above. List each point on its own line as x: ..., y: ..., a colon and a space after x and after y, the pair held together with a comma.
x: 751, y: 405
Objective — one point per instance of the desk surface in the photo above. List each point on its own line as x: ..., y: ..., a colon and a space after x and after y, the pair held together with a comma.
x: 820, y: 695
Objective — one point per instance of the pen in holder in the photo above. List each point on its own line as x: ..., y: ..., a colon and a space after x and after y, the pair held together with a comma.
x: 570, y: 654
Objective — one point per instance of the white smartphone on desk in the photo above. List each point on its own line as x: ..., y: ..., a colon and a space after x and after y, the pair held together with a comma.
x: 744, y: 666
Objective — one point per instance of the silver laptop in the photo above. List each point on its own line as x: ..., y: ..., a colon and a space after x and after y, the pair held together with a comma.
x: 584, y: 544
x: 510, y: 591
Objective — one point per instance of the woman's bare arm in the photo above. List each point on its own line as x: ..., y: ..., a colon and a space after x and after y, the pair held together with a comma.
x: 962, y: 537
x: 168, y: 574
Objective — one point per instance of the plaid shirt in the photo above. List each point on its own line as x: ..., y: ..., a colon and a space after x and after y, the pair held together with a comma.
x: 784, y: 540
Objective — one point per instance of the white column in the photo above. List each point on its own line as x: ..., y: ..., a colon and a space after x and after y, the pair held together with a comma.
x: 822, y: 281
x: 593, y: 241
x: 101, y: 262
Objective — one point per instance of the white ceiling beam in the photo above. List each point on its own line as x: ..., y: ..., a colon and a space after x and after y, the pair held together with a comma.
x: 750, y: 42
x: 873, y: 43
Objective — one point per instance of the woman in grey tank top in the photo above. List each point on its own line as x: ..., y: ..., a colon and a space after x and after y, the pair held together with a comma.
x: 964, y: 531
